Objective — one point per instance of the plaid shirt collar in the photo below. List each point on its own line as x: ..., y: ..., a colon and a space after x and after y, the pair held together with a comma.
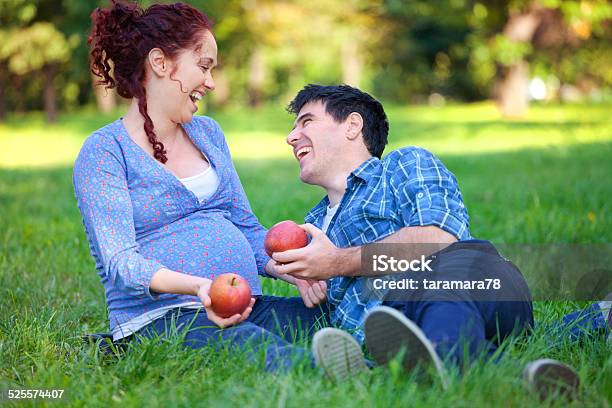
x: 363, y: 173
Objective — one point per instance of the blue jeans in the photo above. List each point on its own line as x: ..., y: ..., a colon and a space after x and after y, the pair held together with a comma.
x: 579, y: 325
x: 271, y: 328
x: 461, y: 325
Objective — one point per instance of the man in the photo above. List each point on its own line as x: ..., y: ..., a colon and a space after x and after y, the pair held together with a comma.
x: 407, y: 197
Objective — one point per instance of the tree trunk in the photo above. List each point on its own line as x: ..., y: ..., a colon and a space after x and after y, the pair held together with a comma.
x: 513, y: 97
x: 106, y: 99
x: 3, y: 87
x: 257, y: 76
x: 49, y: 93
x: 351, y: 64
x: 17, y: 81
x: 512, y: 89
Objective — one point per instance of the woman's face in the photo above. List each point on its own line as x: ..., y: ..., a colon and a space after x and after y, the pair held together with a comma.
x: 186, y: 80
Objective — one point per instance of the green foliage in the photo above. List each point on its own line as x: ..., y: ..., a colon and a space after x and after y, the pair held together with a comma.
x: 31, y: 49
x: 507, y: 52
x: 399, y: 50
x: 16, y: 12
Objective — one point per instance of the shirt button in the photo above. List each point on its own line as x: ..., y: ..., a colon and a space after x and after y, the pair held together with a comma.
x: 420, y: 195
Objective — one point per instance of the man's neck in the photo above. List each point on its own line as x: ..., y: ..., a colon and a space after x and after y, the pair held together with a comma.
x: 337, y: 185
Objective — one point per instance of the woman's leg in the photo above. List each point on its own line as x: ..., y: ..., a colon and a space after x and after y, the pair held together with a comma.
x: 288, y: 317
x: 200, y: 332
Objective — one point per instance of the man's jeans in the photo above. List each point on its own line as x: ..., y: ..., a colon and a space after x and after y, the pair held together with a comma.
x: 461, y: 327
x: 463, y: 324
x: 583, y: 324
x: 271, y: 328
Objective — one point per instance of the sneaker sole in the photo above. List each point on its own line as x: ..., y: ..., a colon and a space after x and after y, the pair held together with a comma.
x: 338, y: 354
x: 388, y: 332
x: 547, y: 377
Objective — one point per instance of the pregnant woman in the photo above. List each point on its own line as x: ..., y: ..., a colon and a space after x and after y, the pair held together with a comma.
x: 161, y: 202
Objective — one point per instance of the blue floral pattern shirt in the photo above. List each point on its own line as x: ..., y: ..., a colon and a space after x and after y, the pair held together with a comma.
x: 409, y: 187
x: 139, y: 217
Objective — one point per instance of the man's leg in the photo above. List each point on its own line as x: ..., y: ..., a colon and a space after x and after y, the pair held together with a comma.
x: 465, y: 323
x: 200, y: 332
x: 593, y: 320
x: 459, y: 325
x: 455, y: 329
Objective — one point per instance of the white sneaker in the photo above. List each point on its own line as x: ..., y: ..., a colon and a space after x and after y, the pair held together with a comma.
x: 338, y: 353
x: 547, y: 377
x: 388, y: 332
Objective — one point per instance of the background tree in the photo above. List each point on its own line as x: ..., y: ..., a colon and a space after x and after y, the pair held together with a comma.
x: 13, y: 15
x: 545, y: 30
x: 39, y: 48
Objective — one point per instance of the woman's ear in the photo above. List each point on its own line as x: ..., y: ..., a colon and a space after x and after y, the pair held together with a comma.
x: 355, y: 126
x: 158, y: 62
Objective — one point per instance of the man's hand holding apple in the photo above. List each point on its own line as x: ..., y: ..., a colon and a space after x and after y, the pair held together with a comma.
x: 319, y: 260
x: 284, y: 237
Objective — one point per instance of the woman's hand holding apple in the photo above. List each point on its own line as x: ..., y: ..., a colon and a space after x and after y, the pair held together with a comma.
x: 222, y: 322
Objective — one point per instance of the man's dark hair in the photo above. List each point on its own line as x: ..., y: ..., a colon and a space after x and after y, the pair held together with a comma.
x: 340, y: 101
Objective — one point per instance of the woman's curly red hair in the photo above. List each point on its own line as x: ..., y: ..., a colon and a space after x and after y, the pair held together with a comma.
x: 123, y: 35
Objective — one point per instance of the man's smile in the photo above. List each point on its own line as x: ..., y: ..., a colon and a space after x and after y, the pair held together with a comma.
x: 302, y: 152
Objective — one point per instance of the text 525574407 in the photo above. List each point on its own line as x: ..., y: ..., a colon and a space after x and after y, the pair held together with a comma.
x: 32, y: 394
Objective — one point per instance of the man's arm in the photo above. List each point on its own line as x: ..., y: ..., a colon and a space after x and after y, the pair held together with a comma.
x: 321, y: 259
x: 430, y: 209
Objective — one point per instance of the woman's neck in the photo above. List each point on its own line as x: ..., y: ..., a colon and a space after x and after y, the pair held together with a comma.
x: 165, y: 129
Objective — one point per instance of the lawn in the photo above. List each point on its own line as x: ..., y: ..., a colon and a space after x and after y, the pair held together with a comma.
x: 541, y: 180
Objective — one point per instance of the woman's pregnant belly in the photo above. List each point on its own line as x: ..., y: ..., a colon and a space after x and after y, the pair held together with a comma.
x: 201, y: 244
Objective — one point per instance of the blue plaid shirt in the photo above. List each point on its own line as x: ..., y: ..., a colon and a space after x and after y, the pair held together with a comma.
x: 409, y: 187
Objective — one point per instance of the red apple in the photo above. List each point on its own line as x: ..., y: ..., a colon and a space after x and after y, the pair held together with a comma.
x: 283, y: 236
x: 230, y: 294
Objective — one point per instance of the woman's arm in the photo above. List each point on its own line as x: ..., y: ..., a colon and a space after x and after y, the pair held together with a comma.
x: 101, y: 191
x: 167, y: 281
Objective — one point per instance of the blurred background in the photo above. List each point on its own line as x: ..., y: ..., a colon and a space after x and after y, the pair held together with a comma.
x: 407, y: 52
x: 519, y: 91
x: 515, y: 98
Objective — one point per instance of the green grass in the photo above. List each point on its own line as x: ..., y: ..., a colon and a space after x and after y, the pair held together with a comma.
x: 541, y: 180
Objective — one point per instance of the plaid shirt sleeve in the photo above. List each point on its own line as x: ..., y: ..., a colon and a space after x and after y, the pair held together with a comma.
x: 428, y: 193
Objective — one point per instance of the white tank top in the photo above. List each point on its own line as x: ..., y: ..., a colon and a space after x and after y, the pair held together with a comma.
x: 203, y: 185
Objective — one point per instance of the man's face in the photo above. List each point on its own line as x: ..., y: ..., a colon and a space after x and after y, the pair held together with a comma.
x: 317, y: 141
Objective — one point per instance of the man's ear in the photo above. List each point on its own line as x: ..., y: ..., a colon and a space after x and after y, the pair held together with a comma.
x: 355, y: 125
x: 158, y: 62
